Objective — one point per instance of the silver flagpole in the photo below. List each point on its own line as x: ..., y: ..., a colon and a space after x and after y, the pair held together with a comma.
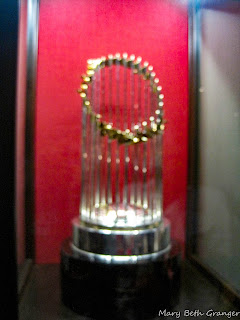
x: 131, y: 119
x: 92, y: 155
x: 159, y: 112
x: 108, y: 162
x: 98, y: 158
x: 145, y: 154
x: 109, y: 152
x: 83, y: 204
x: 103, y: 183
x: 158, y: 164
x: 125, y: 127
x: 118, y: 115
x: 152, y: 157
x: 87, y: 156
x: 143, y: 112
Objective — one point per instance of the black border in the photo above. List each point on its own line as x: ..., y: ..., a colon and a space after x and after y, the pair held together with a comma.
x: 8, y: 72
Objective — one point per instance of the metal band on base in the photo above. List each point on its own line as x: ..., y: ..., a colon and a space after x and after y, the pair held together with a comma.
x: 137, y: 244
x: 113, y: 259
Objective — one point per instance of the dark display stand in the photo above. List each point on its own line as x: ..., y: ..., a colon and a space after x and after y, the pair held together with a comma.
x: 120, y: 291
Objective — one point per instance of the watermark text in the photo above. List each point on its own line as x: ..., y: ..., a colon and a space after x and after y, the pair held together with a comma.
x: 198, y: 313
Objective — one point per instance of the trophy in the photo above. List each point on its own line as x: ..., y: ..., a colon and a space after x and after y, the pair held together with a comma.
x: 120, y: 262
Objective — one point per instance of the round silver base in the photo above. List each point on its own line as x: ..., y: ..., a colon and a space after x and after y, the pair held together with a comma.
x: 121, y: 245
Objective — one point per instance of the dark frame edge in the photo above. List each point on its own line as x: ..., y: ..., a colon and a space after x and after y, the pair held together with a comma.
x: 192, y: 181
x: 192, y: 187
x: 32, y: 57
x: 8, y: 83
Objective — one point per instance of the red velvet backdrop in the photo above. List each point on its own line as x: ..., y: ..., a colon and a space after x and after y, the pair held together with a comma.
x: 71, y: 31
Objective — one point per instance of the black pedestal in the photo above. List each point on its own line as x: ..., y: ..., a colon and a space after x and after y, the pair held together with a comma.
x: 120, y: 291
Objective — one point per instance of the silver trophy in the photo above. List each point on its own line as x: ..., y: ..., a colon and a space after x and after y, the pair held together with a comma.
x: 120, y: 223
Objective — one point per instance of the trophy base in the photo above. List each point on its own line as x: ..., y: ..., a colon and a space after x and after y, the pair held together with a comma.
x: 120, y: 290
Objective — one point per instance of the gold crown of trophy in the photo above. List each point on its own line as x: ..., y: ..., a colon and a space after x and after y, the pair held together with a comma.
x: 120, y: 262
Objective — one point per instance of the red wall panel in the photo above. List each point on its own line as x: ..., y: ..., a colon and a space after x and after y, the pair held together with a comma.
x: 70, y: 33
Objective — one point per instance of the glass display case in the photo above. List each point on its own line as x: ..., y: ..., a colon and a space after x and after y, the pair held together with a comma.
x: 214, y: 204
x: 121, y: 121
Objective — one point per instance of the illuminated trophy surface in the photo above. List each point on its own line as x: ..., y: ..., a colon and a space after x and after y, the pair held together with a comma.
x: 120, y: 262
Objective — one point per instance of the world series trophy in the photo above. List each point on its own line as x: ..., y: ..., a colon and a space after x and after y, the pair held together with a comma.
x: 120, y: 262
